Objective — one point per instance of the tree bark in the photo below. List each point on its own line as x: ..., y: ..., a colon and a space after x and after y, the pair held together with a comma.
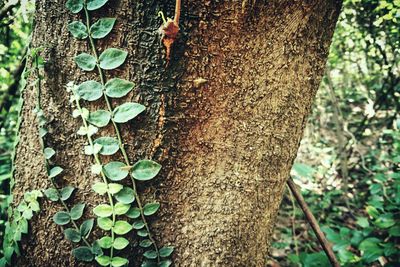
x: 226, y: 145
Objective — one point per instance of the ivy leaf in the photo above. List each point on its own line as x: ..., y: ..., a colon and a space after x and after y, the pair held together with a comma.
x: 66, y: 192
x: 166, y: 251
x: 118, y: 87
x: 85, y: 61
x: 133, y: 213
x: 103, y: 210
x: 90, y: 90
x: 96, y: 249
x: 142, y: 233
x: 95, y: 4
x: 115, y: 170
x: 138, y: 225
x: 48, y: 152
x: 165, y: 263
x: 103, y: 260
x: 150, y: 254
x: 109, y: 145
x: 77, y: 211
x: 151, y: 208
x: 100, y: 188
x: 144, y: 170
x: 121, y: 208
x: 55, y: 171
x: 52, y: 194
x: 83, y: 253
x: 86, y: 227
x: 112, y: 58
x: 122, y: 227
x: 105, y: 242
x: 74, y: 5
x: 114, y: 188
x: 118, y: 261
x: 127, y: 111
x: 61, y: 218
x: 145, y: 243
x: 126, y: 195
x: 120, y: 243
x: 72, y: 235
x: 78, y: 29
x: 105, y: 223
x: 102, y: 27
x: 99, y: 118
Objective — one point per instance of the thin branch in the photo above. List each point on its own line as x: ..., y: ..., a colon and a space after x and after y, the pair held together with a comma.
x: 313, y: 223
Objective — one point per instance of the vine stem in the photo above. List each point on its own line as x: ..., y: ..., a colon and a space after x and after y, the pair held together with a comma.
x: 117, y: 132
x: 41, y: 141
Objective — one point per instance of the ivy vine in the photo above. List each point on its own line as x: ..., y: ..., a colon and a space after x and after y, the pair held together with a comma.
x: 123, y: 202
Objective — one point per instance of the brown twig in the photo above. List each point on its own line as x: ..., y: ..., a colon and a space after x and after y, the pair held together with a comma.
x: 313, y: 223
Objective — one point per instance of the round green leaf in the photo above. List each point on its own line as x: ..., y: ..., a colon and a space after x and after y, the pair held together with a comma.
x: 78, y: 29
x: 121, y: 208
x: 166, y: 251
x: 120, y: 243
x: 133, y: 213
x: 90, y: 90
x: 61, y: 218
x: 85, y: 61
x: 144, y: 170
x: 100, y: 188
x: 74, y: 5
x: 83, y: 253
x: 77, y: 211
x: 52, y: 194
x: 138, y: 225
x: 118, y: 87
x: 103, y: 260
x: 105, y: 242
x: 151, y: 208
x: 142, y: 233
x: 102, y: 27
x: 103, y: 210
x: 165, y: 263
x: 49, y: 152
x: 114, y: 188
x: 122, y: 227
x: 118, y: 261
x: 105, y: 223
x: 127, y: 111
x: 99, y: 118
x: 55, y: 171
x: 145, y: 243
x: 150, y: 254
x: 72, y: 235
x: 126, y: 195
x: 86, y: 227
x: 115, y: 170
x: 109, y: 145
x: 112, y: 58
x: 95, y: 4
x: 66, y: 192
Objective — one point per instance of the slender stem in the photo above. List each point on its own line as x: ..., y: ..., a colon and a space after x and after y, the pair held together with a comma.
x: 118, y: 134
x: 296, y: 247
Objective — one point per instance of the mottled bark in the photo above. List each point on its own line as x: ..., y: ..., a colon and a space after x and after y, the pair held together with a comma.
x: 226, y: 145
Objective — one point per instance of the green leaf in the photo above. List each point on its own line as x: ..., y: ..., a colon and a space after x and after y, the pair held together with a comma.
x: 370, y: 249
x: 372, y: 211
x: 66, y: 192
x: 105, y: 242
x: 85, y: 61
x: 74, y: 5
x: 395, y: 231
x: 122, y: 227
x: 103, y: 210
x: 150, y: 254
x: 109, y: 145
x: 303, y: 170
x: 105, y: 223
x: 363, y: 222
x: 114, y: 188
x: 55, y: 171
x: 61, y: 218
x: 77, y: 211
x: 118, y: 261
x: 96, y: 249
x: 126, y: 195
x: 78, y: 30
x: 165, y: 263
x: 72, y: 235
x: 133, y: 213
x: 142, y: 233
x: 83, y: 253
x: 144, y: 170
x: 102, y: 27
x: 145, y: 243
x: 138, y: 225
x: 86, y: 227
x: 118, y: 87
x: 151, y: 208
x: 127, y: 111
x: 99, y: 118
x: 90, y: 90
x: 115, y: 170
x: 100, y: 188
x: 148, y: 263
x: 103, y: 260
x: 385, y: 221
x: 121, y: 208
x: 120, y: 243
x: 52, y: 194
x: 112, y: 58
x: 95, y: 4
x: 48, y: 152
x: 166, y: 251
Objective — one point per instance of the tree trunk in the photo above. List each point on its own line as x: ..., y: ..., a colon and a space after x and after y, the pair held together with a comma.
x: 226, y: 144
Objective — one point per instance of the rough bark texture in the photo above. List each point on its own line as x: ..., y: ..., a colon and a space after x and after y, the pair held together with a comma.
x: 227, y: 145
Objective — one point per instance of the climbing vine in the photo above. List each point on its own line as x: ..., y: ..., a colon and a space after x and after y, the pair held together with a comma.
x: 123, y: 212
